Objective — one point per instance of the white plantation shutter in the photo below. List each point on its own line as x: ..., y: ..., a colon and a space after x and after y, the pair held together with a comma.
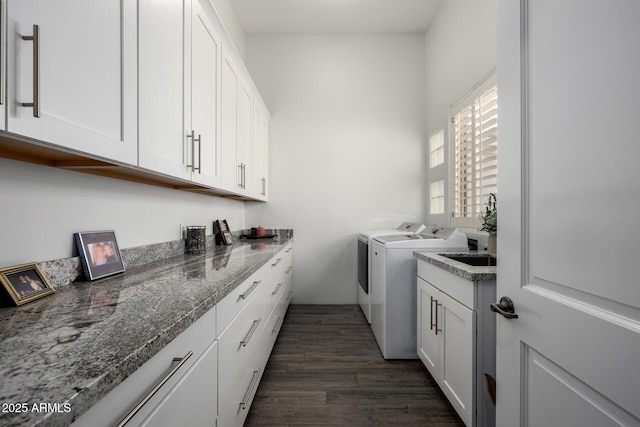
x: 475, y: 153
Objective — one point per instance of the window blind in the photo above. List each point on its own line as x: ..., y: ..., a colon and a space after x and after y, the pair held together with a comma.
x: 475, y: 153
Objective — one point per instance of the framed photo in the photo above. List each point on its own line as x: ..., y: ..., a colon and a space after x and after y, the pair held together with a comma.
x: 25, y: 283
x: 99, y: 253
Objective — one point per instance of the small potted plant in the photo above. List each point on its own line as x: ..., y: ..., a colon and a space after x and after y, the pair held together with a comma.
x: 490, y: 223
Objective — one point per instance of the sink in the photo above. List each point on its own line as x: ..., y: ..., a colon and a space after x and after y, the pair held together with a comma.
x: 480, y: 260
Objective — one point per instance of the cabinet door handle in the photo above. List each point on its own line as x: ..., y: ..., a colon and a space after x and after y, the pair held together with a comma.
x: 180, y: 361
x: 240, y: 183
x: 289, y: 270
x: 199, y: 168
x: 264, y: 186
x: 249, y: 392
x: 275, y: 292
x: 431, y: 313
x: 244, y: 176
x: 248, y: 291
x: 35, y: 38
x: 279, y: 321
x: 247, y: 337
x: 276, y: 263
x: 437, y: 305
x: 193, y: 148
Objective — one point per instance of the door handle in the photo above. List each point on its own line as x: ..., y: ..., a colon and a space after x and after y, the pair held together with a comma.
x: 35, y: 38
x: 505, y: 307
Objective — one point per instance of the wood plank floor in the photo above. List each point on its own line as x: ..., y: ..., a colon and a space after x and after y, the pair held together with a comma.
x: 326, y: 370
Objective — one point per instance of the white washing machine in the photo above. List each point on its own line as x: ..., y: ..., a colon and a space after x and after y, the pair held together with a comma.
x: 364, y: 259
x: 393, y: 286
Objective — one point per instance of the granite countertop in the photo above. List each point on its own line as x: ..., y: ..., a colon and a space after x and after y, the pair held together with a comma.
x: 75, y: 346
x: 458, y: 268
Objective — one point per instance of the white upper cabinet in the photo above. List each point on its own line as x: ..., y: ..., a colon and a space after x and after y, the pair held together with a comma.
x: 179, y: 90
x: 230, y: 169
x: 260, y: 163
x: 204, y: 98
x: 72, y: 75
x: 161, y: 86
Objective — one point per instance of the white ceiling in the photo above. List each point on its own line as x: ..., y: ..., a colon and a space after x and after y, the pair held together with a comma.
x: 335, y: 16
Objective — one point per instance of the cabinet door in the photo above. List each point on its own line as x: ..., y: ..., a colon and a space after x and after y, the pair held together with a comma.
x: 229, y: 124
x: 193, y: 400
x: 260, y: 158
x: 205, y: 100
x: 161, y: 92
x: 85, y: 86
x: 427, y: 338
x: 457, y: 355
x: 243, y: 149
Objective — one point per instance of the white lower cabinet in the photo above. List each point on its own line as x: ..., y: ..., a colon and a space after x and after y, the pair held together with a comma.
x: 180, y: 381
x: 456, y: 339
x: 209, y: 374
x: 246, y: 343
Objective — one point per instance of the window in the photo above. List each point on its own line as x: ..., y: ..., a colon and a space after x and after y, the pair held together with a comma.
x: 437, y: 197
x: 436, y: 148
x: 475, y: 152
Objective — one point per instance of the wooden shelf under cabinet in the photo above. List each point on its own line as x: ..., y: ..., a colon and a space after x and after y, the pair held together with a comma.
x: 17, y: 148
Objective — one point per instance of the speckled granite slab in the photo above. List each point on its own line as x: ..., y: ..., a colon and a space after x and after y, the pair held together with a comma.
x: 458, y: 268
x: 73, y: 347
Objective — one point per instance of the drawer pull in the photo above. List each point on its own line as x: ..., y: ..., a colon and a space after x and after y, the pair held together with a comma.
x: 275, y: 292
x: 180, y: 361
x: 247, y: 337
x: 437, y: 305
x: 279, y: 321
x: 247, y: 395
x: 248, y: 292
x: 288, y: 250
x: 277, y: 262
x: 289, y: 270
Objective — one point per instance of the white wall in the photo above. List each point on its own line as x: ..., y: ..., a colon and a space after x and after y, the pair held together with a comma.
x: 230, y: 21
x: 346, y: 147
x: 42, y: 207
x: 460, y: 51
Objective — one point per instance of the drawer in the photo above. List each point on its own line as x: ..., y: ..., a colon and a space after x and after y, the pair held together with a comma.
x: 116, y: 405
x: 231, y: 305
x: 237, y: 299
x: 237, y: 346
x: 235, y: 411
x: 455, y: 286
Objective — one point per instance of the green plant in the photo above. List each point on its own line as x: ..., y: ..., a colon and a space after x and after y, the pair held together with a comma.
x: 490, y: 215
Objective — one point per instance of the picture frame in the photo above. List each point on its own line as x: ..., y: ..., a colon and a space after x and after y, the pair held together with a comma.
x: 99, y: 253
x: 25, y: 283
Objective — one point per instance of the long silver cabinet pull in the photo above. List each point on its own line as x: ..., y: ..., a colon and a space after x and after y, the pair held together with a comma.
x: 264, y: 186
x: 289, y: 270
x: 277, y: 325
x: 437, y: 329
x: 248, y: 291
x: 288, y: 250
x: 244, y: 176
x: 431, y: 312
x: 240, y: 183
x: 277, y: 289
x: 249, y: 392
x: 199, y: 168
x: 35, y: 38
x: 180, y: 361
x: 247, y: 337
x: 192, y: 135
x: 277, y: 262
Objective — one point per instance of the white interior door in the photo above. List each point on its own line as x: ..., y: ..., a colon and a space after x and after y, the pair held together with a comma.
x: 569, y: 195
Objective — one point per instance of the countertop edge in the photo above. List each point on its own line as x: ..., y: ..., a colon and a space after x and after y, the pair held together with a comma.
x: 468, y: 272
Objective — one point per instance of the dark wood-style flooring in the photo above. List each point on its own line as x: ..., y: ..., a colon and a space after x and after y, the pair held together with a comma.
x: 326, y: 370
